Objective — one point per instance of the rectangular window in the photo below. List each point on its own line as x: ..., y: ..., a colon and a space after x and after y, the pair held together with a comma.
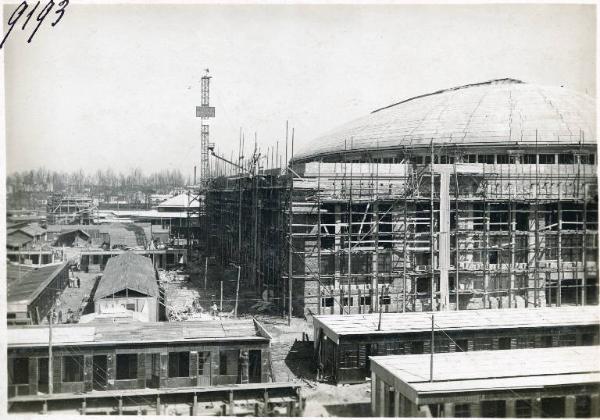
x: 523, y: 408
x: 483, y: 344
x: 72, y: 369
x: 546, y: 158
x: 228, y: 362
x: 365, y: 300
x: 461, y: 345
x: 179, y: 364
x: 130, y: 307
x: 504, y: 343
x: 462, y: 410
x: 203, y: 363
x: 385, y: 300
x: 345, y: 301
x: 566, y: 159
x: 528, y: 159
x: 489, y: 159
x: 566, y: 340
x: 470, y: 159
x: 496, y: 408
x: 583, y: 406
x: 417, y: 347
x: 18, y: 371
x: 546, y: 341
x: 502, y: 159
x: 126, y: 366
x: 327, y: 302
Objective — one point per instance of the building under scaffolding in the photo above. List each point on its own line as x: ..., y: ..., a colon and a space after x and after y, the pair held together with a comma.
x: 69, y: 209
x: 481, y: 196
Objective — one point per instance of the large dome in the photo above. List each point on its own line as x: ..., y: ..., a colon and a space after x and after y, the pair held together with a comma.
x: 498, y: 112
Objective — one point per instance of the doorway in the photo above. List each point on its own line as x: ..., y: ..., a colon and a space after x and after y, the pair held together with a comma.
x: 255, y: 367
x: 43, y: 375
x: 100, y: 366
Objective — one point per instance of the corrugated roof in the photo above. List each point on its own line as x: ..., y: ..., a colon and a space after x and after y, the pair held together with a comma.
x: 133, y: 332
x: 502, y: 112
x: 127, y: 271
x: 491, y: 370
x: 397, y: 323
x: 25, y: 283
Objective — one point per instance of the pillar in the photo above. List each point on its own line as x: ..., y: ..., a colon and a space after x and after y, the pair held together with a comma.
x: 595, y: 403
x: 397, y: 412
x: 476, y: 409
x: 448, y: 409
x: 195, y: 406
x: 373, y: 394
x: 444, y: 241
x: 511, y: 409
x: 569, y: 406
x: 381, y: 386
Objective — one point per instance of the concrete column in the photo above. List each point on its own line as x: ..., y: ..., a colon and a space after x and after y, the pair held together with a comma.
x: 448, y: 409
x: 444, y: 240
x: 511, y: 409
x: 381, y: 398
x: 476, y: 409
x: 569, y: 406
x: 195, y: 406
x: 337, y: 245
x: 397, y: 412
x: 536, y: 407
x: 373, y: 394
x: 595, y: 402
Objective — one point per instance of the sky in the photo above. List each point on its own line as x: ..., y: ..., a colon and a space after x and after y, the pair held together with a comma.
x: 115, y: 86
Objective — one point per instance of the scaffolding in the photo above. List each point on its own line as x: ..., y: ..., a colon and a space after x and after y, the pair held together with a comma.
x: 434, y: 228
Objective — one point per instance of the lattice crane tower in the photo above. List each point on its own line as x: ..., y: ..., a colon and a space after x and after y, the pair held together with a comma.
x: 204, y: 112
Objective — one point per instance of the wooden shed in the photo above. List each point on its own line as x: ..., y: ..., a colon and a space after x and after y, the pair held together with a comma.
x: 129, y: 283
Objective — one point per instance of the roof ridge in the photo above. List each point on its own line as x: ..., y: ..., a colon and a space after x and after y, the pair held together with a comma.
x: 506, y: 80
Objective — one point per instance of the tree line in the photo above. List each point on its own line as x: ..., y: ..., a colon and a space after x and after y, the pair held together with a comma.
x: 100, y: 181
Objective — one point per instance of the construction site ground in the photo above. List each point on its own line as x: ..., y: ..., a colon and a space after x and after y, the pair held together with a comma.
x: 292, y: 354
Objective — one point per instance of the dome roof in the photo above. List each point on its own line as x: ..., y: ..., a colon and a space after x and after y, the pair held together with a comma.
x: 498, y: 112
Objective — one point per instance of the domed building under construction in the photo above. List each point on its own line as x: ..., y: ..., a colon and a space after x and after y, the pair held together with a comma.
x: 479, y: 196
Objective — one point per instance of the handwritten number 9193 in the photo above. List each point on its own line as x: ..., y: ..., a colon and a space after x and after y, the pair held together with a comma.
x: 20, y: 10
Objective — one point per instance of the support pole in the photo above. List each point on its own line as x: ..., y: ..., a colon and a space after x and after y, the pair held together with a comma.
x: 432, y: 348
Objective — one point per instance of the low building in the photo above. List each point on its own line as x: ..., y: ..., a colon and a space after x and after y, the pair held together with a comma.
x: 343, y: 343
x: 25, y: 236
x: 73, y: 238
x: 129, y: 283
x: 31, y: 291
x: 549, y: 382
x: 138, y: 360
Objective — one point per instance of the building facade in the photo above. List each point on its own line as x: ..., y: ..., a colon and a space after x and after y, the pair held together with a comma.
x: 344, y: 343
x: 481, y: 196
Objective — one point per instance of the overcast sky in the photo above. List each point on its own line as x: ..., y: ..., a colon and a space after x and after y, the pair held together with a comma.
x: 116, y: 85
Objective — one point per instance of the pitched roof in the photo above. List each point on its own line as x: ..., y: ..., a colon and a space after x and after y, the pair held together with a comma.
x: 498, y: 112
x: 489, y: 370
x: 127, y: 271
x: 134, y: 332
x: 25, y: 283
x: 397, y: 323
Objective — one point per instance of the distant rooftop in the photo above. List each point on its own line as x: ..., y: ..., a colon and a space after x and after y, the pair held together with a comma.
x: 133, y: 332
x: 336, y: 326
x: 489, y: 370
